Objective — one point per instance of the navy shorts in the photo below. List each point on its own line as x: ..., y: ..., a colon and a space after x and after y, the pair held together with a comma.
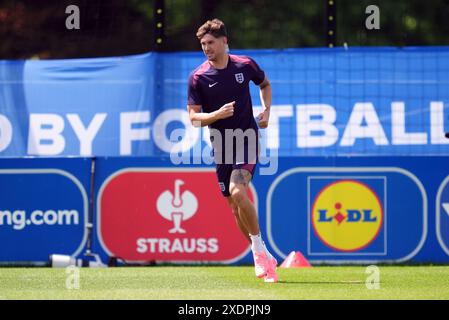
x: 246, y: 159
x: 224, y: 174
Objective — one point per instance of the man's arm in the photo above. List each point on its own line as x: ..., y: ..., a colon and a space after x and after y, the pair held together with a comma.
x: 202, y: 119
x: 265, y: 99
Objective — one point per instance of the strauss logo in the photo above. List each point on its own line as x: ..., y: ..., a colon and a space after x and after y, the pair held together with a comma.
x: 177, y: 207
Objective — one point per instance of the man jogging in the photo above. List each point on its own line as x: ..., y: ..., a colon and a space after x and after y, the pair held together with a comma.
x: 219, y: 97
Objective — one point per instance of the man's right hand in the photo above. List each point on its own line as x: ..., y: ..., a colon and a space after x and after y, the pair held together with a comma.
x: 226, y: 110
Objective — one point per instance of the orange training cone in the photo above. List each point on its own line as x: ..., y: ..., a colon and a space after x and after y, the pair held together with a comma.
x: 295, y: 260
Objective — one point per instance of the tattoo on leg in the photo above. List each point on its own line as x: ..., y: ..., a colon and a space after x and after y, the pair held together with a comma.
x: 241, y: 176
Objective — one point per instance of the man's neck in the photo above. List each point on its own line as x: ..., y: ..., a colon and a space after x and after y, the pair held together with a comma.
x: 221, y: 63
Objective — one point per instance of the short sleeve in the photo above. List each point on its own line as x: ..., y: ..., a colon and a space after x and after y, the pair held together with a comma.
x: 193, y: 94
x: 257, y: 74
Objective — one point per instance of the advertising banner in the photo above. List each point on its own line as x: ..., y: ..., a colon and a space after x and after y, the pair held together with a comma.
x: 326, y: 102
x: 43, y: 208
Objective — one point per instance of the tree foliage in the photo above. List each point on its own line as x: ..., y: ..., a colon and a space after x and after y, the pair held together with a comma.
x: 36, y: 28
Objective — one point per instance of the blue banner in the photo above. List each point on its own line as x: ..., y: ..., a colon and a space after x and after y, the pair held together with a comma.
x: 358, y: 209
x: 356, y: 101
x: 332, y: 210
x: 43, y: 208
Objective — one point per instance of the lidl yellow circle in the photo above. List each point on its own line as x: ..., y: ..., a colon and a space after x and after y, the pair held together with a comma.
x: 347, y: 215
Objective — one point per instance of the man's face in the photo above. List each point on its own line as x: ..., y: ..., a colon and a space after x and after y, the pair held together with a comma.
x: 213, y: 47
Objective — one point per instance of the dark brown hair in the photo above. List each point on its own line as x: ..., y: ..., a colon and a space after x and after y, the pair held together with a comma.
x: 214, y: 27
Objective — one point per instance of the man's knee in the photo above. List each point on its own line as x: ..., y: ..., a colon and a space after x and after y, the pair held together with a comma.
x: 238, y: 194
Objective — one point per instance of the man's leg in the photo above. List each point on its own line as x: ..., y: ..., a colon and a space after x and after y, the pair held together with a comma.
x: 235, y: 211
x: 240, y: 179
x: 265, y: 264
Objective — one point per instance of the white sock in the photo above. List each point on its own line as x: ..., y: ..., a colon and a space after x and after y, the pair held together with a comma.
x: 267, y: 252
x: 257, y: 244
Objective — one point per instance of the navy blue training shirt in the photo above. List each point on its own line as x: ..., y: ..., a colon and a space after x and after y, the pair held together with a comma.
x: 212, y: 88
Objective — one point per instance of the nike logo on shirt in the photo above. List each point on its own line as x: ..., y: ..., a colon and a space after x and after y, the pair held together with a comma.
x: 213, y: 84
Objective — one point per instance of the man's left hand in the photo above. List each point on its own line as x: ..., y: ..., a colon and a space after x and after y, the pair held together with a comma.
x: 263, y: 119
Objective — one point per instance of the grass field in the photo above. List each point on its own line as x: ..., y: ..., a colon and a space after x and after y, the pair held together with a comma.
x: 418, y: 282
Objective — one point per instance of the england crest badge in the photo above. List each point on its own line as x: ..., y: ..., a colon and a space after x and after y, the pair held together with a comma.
x: 239, y: 77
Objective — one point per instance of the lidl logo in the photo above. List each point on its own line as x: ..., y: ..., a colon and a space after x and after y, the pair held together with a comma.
x: 347, y: 215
